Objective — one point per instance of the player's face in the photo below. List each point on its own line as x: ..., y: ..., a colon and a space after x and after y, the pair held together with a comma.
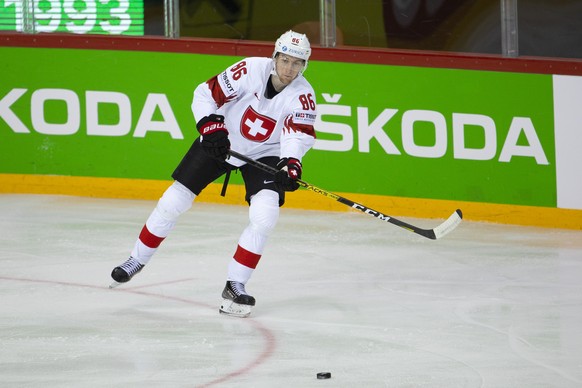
x: 288, y: 68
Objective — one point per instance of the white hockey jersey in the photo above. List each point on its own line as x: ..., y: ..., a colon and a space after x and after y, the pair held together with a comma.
x: 281, y: 126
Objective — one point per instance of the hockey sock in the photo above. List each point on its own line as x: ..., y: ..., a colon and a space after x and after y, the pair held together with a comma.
x: 263, y: 215
x: 176, y: 200
x: 239, y: 272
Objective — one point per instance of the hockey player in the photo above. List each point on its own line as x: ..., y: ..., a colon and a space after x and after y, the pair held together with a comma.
x: 262, y: 108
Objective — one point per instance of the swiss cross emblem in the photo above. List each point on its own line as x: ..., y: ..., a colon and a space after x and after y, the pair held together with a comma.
x: 255, y: 126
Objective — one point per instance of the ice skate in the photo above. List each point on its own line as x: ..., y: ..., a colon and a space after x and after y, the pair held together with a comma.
x: 124, y: 272
x: 235, y: 300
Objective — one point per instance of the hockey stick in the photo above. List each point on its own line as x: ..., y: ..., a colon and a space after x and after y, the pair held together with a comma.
x: 440, y: 231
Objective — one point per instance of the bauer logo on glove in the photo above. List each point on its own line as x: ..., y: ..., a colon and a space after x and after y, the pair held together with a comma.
x: 212, y: 128
x: 214, y: 136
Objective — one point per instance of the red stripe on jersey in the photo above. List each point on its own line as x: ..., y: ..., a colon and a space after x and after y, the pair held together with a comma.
x: 217, y: 94
x: 149, y: 239
x: 246, y: 258
x: 291, y: 126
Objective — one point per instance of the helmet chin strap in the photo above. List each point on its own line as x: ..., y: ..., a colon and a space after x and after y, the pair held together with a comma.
x: 274, y: 68
x: 276, y: 81
x: 274, y: 72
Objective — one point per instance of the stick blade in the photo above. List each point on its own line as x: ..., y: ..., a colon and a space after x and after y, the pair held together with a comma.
x: 449, y: 225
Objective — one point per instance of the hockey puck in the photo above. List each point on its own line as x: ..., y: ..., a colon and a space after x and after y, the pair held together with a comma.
x: 323, y: 375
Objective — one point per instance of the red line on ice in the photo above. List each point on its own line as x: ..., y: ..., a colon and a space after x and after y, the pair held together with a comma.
x: 269, y: 337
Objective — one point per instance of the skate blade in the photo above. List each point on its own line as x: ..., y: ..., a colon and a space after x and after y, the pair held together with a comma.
x: 228, y: 307
x: 114, y: 284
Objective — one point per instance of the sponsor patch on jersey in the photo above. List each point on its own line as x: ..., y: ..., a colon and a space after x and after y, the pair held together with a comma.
x: 304, y: 117
x: 224, y: 81
x: 256, y: 127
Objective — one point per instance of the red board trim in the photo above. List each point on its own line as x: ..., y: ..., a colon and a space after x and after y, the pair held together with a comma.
x: 340, y: 54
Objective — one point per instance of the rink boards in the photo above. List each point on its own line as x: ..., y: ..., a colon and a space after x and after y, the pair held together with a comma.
x: 111, y: 118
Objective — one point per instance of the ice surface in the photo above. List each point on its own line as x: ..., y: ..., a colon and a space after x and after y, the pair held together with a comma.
x: 487, y: 306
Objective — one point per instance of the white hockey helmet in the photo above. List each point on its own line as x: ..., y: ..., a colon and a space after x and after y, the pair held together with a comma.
x: 293, y: 44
